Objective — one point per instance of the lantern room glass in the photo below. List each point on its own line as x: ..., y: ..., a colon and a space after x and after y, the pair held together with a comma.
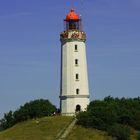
x: 72, y: 25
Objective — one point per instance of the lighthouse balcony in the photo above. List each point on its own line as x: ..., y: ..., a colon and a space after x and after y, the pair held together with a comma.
x: 71, y: 35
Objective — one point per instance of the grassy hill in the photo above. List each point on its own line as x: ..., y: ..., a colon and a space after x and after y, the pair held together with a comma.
x: 49, y: 128
x: 81, y: 133
x: 46, y: 128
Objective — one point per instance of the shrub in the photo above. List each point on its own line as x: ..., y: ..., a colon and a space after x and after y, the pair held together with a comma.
x: 136, y: 122
x: 121, y: 132
x: 104, y: 114
x: 138, y: 136
x: 86, y: 120
x: 33, y: 109
x: 7, y: 121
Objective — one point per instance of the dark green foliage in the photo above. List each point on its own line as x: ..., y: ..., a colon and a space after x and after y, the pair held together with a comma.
x: 112, y: 112
x: 7, y: 121
x: 33, y: 109
x: 138, y: 136
x: 136, y: 121
x: 121, y: 132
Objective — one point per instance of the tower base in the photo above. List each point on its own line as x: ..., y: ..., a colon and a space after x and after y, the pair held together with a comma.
x: 71, y: 105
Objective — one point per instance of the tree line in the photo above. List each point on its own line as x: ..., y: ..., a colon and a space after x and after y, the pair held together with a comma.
x: 114, y: 115
x: 33, y: 109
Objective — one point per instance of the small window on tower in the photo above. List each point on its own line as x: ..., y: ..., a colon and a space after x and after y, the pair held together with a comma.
x: 76, y: 62
x: 77, y: 91
x: 77, y: 77
x: 76, y: 48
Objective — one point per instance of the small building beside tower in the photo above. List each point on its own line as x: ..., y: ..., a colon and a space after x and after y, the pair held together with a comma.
x: 74, y: 90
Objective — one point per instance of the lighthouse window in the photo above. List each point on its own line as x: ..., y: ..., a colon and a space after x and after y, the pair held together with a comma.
x: 77, y: 91
x: 77, y: 76
x: 76, y: 61
x: 76, y: 48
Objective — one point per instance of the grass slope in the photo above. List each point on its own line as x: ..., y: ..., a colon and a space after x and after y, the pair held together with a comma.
x: 46, y: 128
x: 49, y: 128
x: 81, y: 133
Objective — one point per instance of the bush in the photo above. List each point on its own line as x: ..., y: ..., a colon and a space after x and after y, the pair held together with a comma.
x: 86, y: 120
x: 104, y: 114
x: 114, y: 110
x: 7, y: 121
x: 138, y: 136
x: 136, y: 123
x: 99, y: 118
x: 121, y: 132
x: 83, y: 119
x: 33, y: 109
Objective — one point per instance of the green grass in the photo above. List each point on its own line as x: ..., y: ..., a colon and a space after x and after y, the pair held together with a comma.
x: 49, y: 128
x: 81, y: 133
x: 46, y: 128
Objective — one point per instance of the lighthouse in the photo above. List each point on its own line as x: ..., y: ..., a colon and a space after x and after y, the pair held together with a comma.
x: 74, y: 90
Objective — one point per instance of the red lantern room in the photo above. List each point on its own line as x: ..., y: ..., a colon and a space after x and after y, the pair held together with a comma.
x: 72, y: 21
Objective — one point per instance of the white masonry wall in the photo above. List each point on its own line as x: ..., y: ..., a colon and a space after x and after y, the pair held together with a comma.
x: 69, y: 98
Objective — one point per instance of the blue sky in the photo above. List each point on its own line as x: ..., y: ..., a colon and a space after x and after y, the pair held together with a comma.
x: 30, y: 48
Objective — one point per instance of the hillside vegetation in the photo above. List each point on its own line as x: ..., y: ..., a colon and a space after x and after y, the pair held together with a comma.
x: 47, y: 128
x: 108, y: 119
x: 33, y: 109
x: 50, y: 128
x: 115, y: 116
x: 81, y: 133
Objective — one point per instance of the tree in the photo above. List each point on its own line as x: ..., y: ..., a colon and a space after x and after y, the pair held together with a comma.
x: 7, y: 121
x: 33, y: 109
x: 112, y: 112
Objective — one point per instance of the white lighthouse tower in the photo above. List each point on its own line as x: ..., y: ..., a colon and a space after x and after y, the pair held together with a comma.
x: 74, y: 92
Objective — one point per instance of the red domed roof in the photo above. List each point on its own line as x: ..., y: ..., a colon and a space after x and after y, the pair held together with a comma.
x: 72, y: 16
